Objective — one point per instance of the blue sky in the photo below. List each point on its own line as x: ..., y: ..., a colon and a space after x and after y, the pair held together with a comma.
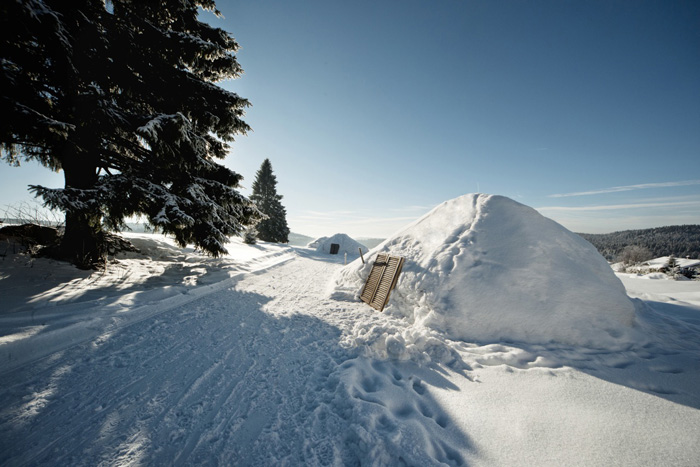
x: 372, y: 112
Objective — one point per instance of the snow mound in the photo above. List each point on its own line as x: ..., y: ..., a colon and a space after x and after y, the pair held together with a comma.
x: 347, y: 245
x: 486, y: 268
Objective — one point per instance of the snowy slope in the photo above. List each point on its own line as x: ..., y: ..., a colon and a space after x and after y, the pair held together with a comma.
x: 661, y: 262
x: 60, y: 305
x: 178, y: 359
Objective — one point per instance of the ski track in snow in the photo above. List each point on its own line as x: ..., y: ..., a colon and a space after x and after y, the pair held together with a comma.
x: 265, y: 369
x: 249, y: 375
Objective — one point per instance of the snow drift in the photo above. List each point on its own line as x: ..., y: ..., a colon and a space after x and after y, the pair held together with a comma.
x: 486, y: 268
x: 347, y: 245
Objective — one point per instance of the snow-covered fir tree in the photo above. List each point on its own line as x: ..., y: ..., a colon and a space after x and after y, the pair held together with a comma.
x: 121, y: 97
x: 274, y: 228
x: 250, y: 236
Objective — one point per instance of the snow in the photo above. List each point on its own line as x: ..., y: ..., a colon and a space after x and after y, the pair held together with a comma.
x: 652, y: 269
x: 485, y: 268
x: 258, y: 358
x: 152, y: 129
x: 661, y: 262
x: 61, y: 305
x: 346, y: 244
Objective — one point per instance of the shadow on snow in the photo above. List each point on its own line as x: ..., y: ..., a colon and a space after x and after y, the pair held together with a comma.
x: 221, y: 380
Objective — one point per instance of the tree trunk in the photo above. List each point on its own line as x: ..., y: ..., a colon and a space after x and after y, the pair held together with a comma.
x: 83, y: 240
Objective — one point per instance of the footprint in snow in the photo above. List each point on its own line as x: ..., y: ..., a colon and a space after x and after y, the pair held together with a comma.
x: 370, y: 383
x: 668, y: 370
x: 418, y: 386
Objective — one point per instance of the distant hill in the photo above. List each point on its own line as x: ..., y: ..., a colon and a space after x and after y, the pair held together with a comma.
x: 296, y: 239
x: 370, y: 242
x: 680, y: 241
x: 16, y: 221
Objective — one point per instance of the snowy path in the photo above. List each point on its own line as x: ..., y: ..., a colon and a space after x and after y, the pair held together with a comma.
x: 49, y: 306
x: 264, y: 368
x: 195, y: 384
x: 248, y: 375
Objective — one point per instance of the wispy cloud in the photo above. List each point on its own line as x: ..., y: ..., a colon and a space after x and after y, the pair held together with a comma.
x: 611, y: 207
x: 617, y: 189
x: 642, y: 214
x: 414, y: 208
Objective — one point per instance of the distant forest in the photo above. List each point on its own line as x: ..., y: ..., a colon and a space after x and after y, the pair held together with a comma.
x: 680, y: 241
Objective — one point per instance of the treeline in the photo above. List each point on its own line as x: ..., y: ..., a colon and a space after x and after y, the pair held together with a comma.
x: 680, y: 241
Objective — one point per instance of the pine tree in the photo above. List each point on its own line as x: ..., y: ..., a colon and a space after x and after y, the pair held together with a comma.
x: 672, y: 263
x: 250, y: 236
x: 121, y: 97
x: 274, y: 228
x: 672, y: 268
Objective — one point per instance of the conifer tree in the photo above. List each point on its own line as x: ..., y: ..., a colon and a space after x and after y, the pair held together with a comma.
x: 274, y: 228
x: 121, y: 97
x: 250, y: 236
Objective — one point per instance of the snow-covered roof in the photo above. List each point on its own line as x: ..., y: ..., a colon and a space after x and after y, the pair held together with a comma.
x: 487, y: 268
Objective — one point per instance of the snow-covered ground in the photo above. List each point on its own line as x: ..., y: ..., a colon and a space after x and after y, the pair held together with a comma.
x: 172, y: 358
x: 657, y: 265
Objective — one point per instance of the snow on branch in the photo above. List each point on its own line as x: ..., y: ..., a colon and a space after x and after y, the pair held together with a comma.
x: 39, y: 11
x: 58, y: 127
x: 71, y: 200
x: 165, y: 130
